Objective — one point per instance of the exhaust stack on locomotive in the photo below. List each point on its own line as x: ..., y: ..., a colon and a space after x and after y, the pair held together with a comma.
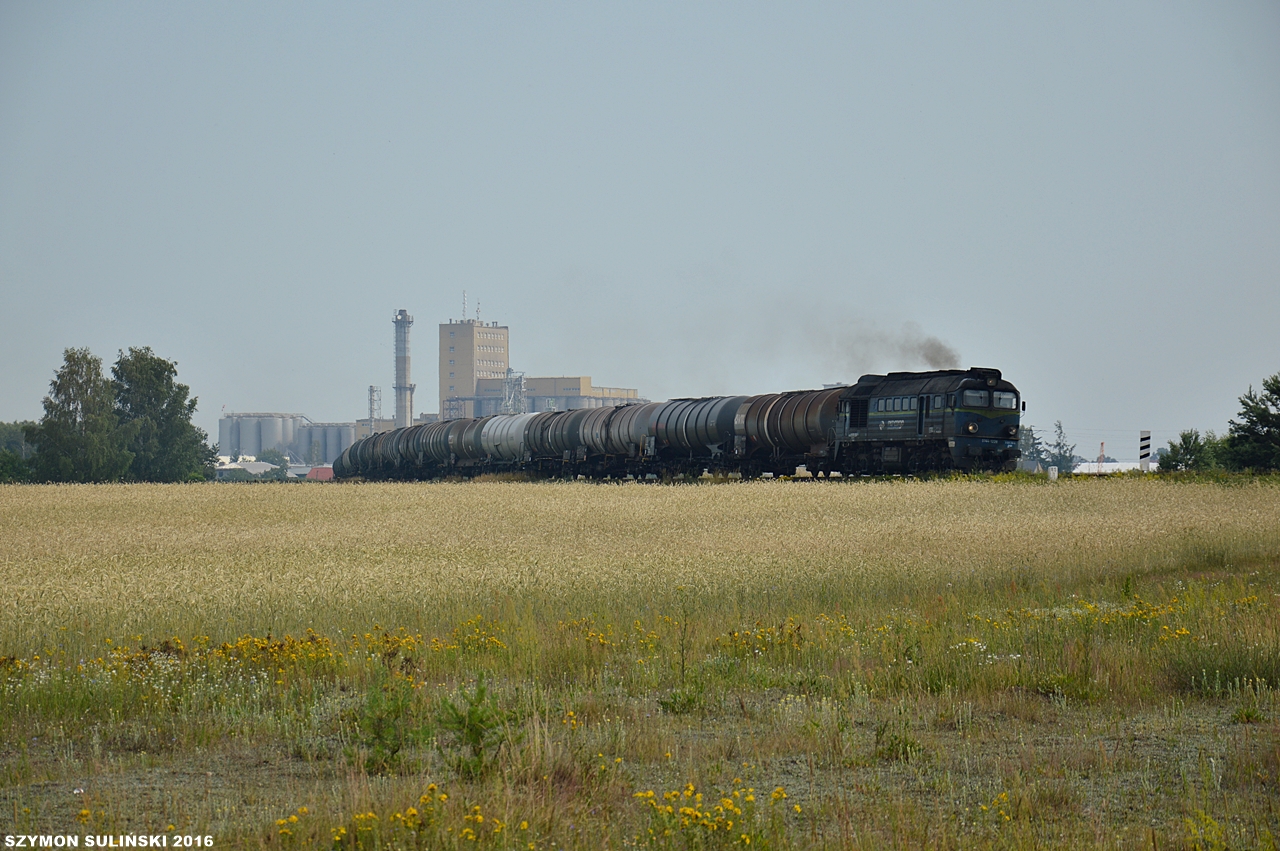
x: 901, y: 422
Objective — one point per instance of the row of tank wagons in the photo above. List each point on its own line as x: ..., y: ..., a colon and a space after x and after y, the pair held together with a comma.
x: 786, y: 423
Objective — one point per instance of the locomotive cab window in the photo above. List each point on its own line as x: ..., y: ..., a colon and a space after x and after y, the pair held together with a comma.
x: 975, y: 399
x: 1007, y: 401
x: 937, y: 401
x: 912, y: 402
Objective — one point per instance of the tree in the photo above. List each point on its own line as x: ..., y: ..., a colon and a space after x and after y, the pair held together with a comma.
x: 274, y: 456
x: 1254, y: 441
x: 13, y: 467
x: 1060, y: 453
x: 166, y: 446
x: 80, y: 437
x: 1031, y: 448
x: 14, y: 452
x: 13, y: 438
x: 1191, y: 451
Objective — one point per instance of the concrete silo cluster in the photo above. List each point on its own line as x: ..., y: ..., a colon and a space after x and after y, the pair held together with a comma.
x: 292, y: 434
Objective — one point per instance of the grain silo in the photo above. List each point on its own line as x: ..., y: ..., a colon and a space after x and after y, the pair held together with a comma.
x: 250, y: 442
x: 332, y: 442
x: 302, y: 441
x: 272, y: 432
x: 288, y: 429
x: 228, y: 436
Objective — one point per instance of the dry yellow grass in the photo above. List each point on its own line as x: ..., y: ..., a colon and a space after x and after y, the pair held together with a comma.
x: 159, y: 560
x: 1005, y: 664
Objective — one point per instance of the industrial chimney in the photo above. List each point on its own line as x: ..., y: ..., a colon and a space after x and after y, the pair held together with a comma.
x: 404, y: 390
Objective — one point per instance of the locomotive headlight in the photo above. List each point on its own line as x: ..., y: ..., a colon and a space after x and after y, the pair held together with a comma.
x: 1012, y: 430
x: 972, y: 428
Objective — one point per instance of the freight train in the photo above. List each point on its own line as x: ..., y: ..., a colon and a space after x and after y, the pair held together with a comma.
x: 903, y: 422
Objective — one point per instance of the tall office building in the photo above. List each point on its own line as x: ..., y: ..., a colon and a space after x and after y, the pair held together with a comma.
x: 470, y: 350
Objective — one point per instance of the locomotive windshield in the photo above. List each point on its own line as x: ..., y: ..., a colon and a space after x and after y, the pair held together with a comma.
x: 1008, y: 401
x: 975, y: 399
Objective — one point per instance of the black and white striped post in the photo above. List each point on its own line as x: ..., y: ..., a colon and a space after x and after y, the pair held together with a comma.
x: 1144, y: 451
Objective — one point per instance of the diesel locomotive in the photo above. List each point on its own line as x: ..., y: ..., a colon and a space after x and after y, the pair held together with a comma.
x: 903, y: 422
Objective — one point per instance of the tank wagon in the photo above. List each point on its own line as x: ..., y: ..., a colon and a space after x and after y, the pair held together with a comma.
x: 900, y: 422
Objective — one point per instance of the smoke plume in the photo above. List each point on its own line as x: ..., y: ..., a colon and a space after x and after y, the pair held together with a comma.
x: 934, y: 353
x: 855, y: 348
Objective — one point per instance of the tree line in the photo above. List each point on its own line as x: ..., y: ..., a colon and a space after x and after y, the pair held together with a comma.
x: 1252, y: 441
x: 134, y: 426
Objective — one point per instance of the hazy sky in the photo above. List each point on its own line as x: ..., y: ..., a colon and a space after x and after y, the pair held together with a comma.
x: 690, y: 199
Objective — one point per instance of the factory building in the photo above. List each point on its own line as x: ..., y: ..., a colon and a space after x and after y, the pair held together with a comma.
x: 561, y: 393
x: 470, y: 351
x: 476, y: 379
x: 373, y: 425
